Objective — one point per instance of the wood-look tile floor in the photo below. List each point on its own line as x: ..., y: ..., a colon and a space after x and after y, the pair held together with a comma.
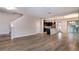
x: 41, y: 42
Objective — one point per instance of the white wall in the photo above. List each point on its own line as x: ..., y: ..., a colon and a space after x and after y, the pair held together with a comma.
x: 64, y: 26
x: 5, y: 20
x: 25, y: 26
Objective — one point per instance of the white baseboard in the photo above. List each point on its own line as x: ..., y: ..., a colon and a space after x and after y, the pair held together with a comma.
x: 23, y: 35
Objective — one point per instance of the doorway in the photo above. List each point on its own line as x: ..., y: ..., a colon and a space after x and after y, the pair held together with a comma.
x: 73, y: 26
x: 49, y: 26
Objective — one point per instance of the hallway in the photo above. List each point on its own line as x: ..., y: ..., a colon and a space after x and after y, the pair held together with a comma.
x: 41, y: 42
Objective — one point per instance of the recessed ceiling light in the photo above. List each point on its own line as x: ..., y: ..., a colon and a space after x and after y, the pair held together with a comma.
x: 10, y: 8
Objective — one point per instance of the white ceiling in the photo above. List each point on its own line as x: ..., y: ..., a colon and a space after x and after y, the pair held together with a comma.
x: 4, y: 10
x: 43, y: 12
